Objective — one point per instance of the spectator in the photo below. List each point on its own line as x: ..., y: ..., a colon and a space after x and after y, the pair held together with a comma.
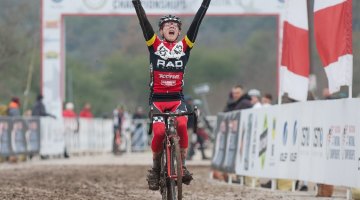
x: 201, y: 134
x: 14, y: 107
x: 118, y: 116
x: 27, y: 113
x: 3, y: 110
x: 255, y: 98
x: 86, y: 111
x: 266, y: 100
x: 71, y: 124
x: 189, y: 107
x: 139, y: 113
x: 39, y: 108
x: 69, y: 110
x: 238, y: 100
x: 190, y: 126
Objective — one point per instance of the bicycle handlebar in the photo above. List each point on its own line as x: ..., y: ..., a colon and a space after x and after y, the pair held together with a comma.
x: 170, y: 114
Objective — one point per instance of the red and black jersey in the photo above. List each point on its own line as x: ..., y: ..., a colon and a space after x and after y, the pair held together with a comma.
x: 167, y: 66
x: 168, y: 59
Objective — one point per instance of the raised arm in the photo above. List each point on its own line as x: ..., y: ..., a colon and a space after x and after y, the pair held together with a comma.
x: 194, y: 27
x: 143, y: 20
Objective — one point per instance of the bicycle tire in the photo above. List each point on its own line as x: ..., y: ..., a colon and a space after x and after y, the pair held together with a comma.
x: 163, y: 175
x: 176, y: 157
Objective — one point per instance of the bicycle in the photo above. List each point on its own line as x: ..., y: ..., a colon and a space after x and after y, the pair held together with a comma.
x: 171, y: 172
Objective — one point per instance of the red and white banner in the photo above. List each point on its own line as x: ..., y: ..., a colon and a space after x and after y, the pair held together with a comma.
x: 333, y: 34
x: 294, y: 71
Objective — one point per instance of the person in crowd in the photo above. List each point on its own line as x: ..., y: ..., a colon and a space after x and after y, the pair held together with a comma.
x: 39, y: 108
x: 238, y: 99
x: 3, y: 110
x: 69, y: 110
x: 118, y: 117
x: 71, y: 124
x: 27, y: 113
x: 255, y: 98
x: 190, y: 125
x: 168, y: 60
x: 266, y: 100
x: 14, y: 107
x: 86, y: 111
x: 139, y: 113
x: 201, y: 135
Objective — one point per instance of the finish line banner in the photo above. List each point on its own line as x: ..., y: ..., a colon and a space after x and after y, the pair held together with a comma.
x: 54, y: 14
x: 315, y: 141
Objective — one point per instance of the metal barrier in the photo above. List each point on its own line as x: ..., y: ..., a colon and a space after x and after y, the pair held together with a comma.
x: 309, y: 141
x: 19, y: 136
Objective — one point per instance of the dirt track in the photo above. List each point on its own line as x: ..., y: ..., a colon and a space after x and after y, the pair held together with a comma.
x: 116, y: 182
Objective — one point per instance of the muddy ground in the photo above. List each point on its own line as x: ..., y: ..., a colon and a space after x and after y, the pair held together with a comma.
x: 118, y: 182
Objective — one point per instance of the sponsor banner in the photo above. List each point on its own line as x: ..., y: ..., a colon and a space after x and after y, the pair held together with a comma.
x: 231, y: 141
x: 52, y: 136
x: 18, y: 139
x: 221, y: 132
x: 161, y: 6
x: 310, y: 141
x: 5, y: 137
x: 88, y: 135
x: 139, y: 139
x: 19, y: 136
x: 32, y: 135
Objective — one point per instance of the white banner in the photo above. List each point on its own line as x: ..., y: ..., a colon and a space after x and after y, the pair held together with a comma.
x: 76, y: 135
x: 88, y: 135
x: 52, y: 136
x: 315, y: 141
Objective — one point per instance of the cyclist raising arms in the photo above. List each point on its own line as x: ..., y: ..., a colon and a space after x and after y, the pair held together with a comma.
x: 168, y: 58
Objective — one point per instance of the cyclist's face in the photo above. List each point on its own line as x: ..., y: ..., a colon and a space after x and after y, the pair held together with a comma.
x: 170, y: 31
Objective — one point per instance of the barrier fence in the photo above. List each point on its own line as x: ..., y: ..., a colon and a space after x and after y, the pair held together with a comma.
x: 47, y: 136
x: 315, y: 141
x: 19, y: 136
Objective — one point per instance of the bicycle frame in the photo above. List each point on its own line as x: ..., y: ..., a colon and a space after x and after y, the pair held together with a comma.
x: 169, y: 173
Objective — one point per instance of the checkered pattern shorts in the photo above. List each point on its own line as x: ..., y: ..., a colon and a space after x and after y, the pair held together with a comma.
x: 158, y: 119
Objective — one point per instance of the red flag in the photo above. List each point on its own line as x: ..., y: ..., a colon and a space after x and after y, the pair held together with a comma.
x: 333, y: 35
x: 295, y: 51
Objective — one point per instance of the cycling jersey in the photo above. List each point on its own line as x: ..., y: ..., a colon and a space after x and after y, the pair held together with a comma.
x: 168, y: 59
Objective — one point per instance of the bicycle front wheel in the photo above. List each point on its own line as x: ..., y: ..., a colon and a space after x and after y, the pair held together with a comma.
x: 176, y: 167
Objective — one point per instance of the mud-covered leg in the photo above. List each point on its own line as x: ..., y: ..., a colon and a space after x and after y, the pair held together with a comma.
x: 153, y: 177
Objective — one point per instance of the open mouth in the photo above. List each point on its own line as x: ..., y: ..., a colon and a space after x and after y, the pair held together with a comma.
x: 171, y: 32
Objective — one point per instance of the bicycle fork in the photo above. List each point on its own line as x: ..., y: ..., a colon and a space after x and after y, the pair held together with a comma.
x: 168, y: 157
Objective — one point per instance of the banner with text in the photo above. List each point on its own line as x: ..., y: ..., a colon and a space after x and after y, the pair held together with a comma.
x: 19, y: 136
x: 310, y: 141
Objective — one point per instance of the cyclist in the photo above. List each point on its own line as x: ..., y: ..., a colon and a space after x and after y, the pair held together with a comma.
x: 168, y: 58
